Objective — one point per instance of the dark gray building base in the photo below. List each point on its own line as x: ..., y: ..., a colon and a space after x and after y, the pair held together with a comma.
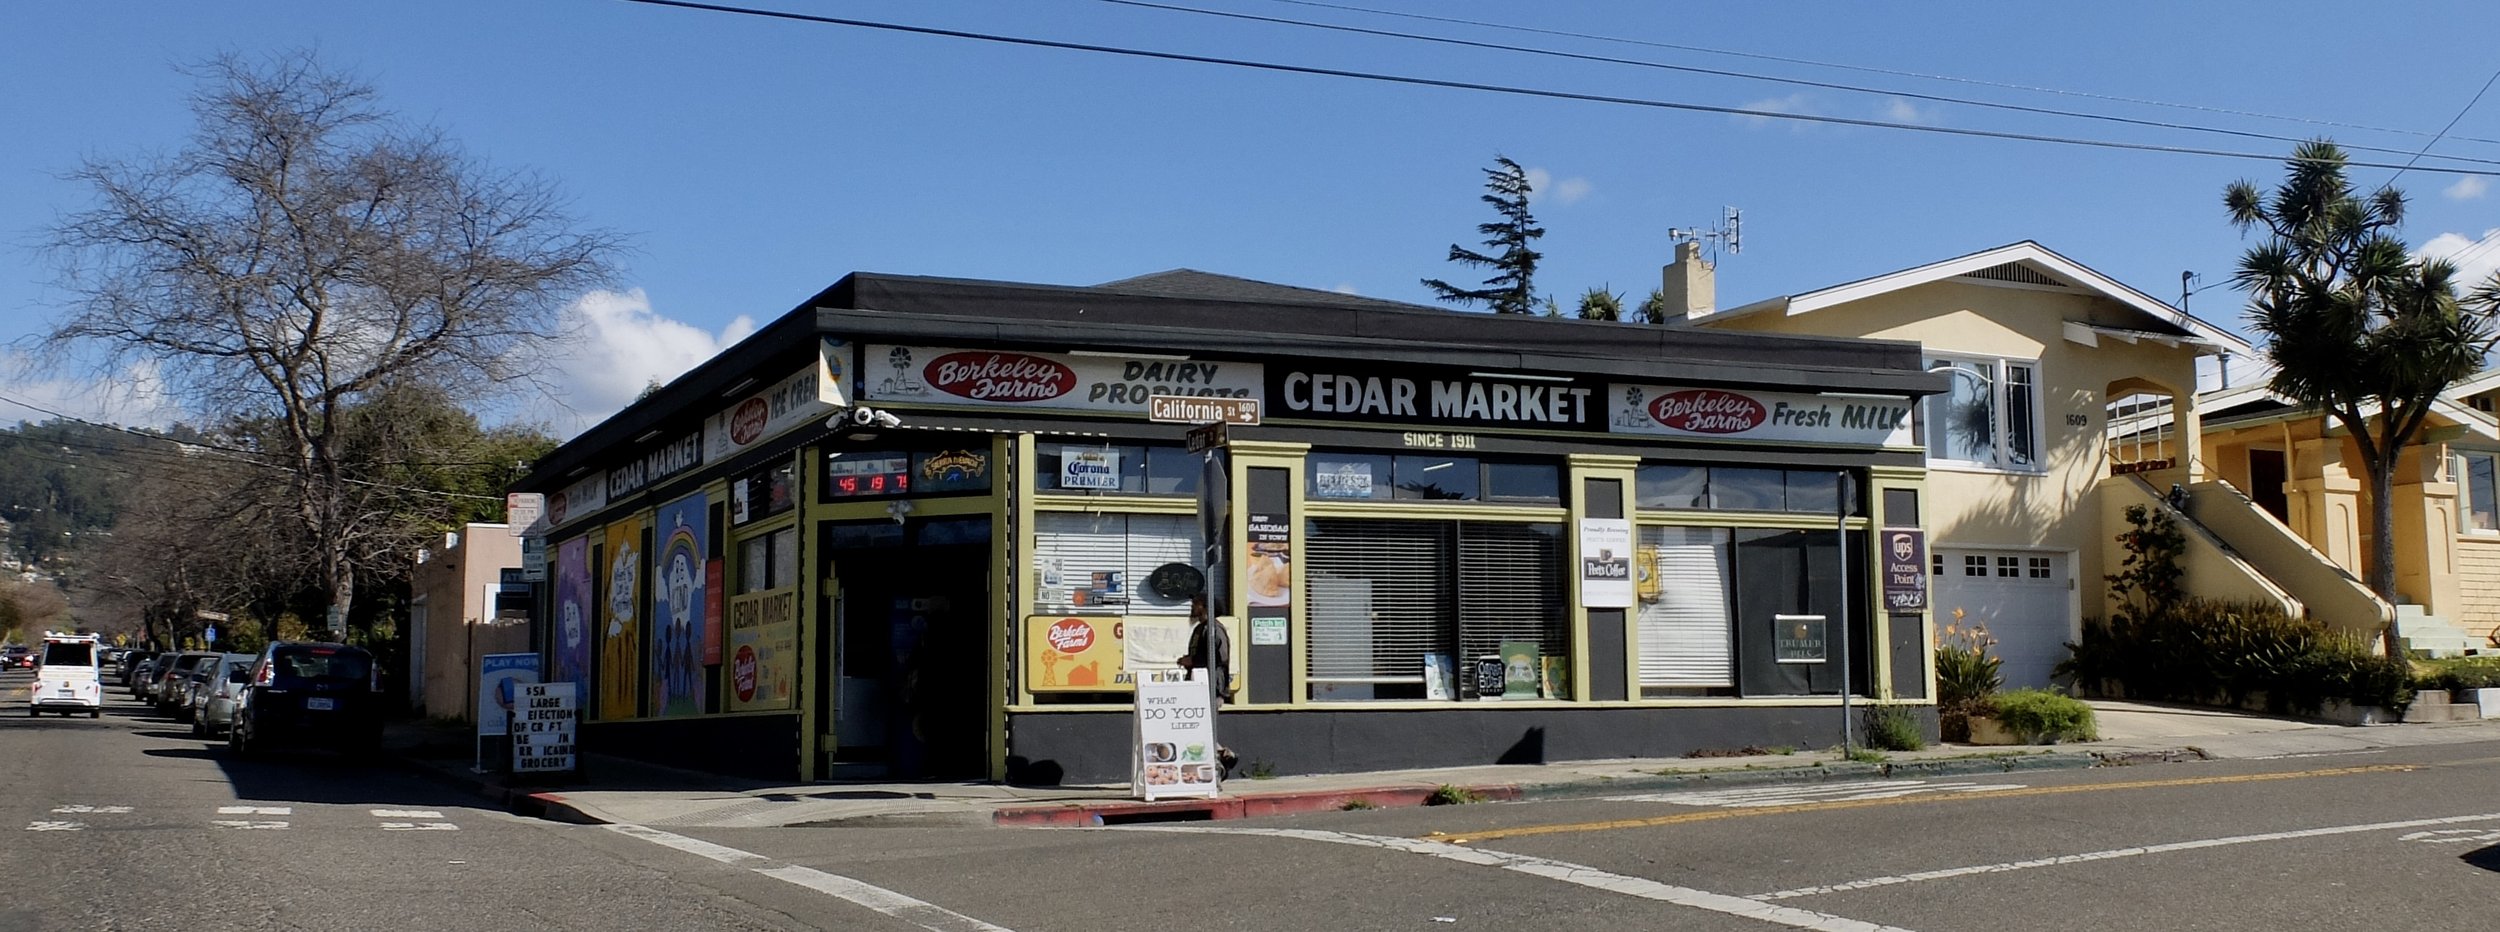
x: 1092, y: 747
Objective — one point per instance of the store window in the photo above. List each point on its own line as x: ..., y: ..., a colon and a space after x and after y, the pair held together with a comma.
x: 1344, y: 476
x: 1404, y: 610
x: 1686, y: 487
x: 1097, y: 562
x: 1687, y: 606
x: 2481, y: 513
x: 1989, y: 416
x: 1117, y: 469
x: 768, y: 561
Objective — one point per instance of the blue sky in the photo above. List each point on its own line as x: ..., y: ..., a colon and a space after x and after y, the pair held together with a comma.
x: 755, y: 161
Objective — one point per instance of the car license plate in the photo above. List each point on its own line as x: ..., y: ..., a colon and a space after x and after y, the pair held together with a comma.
x: 321, y: 705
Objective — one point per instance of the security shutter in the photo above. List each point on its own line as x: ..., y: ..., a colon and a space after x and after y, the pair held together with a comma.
x: 1684, y: 631
x: 1071, y: 548
x: 1380, y: 598
x: 1510, y: 588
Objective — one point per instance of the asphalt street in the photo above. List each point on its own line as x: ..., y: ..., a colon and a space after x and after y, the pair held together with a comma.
x: 128, y: 823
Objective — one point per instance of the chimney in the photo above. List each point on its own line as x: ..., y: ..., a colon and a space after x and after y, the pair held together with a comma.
x: 1691, y: 285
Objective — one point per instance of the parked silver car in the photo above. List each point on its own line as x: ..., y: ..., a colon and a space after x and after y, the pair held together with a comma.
x: 213, y: 711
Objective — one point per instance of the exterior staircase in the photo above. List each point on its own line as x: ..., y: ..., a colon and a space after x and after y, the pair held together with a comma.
x: 2426, y: 635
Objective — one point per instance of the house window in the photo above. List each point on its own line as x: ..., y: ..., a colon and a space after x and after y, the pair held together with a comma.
x: 1974, y: 565
x: 2039, y: 567
x: 1989, y: 417
x: 2481, y: 513
x: 2009, y: 567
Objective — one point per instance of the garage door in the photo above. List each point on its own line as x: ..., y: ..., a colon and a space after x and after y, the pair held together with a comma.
x: 2024, y: 597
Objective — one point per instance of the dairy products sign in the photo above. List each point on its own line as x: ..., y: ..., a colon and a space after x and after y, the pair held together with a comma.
x: 1718, y: 413
x: 796, y: 399
x: 1010, y: 379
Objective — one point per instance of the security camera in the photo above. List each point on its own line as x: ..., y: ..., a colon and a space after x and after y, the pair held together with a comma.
x: 887, y: 419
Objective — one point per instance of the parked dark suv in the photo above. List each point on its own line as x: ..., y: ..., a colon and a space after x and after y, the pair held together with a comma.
x: 309, y: 694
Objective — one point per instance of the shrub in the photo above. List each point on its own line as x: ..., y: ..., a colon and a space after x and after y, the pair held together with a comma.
x: 1893, y: 728
x: 2046, y: 716
x: 2458, y: 673
x: 1965, y: 675
x: 1449, y: 795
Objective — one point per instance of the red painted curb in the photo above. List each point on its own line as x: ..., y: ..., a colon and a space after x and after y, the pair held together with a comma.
x: 1246, y: 806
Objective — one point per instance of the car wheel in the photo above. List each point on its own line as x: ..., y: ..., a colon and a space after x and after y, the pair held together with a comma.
x: 95, y: 713
x: 237, y: 742
x: 199, y: 729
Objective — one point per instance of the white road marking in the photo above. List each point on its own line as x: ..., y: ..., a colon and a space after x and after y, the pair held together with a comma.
x: 255, y: 810
x: 1765, y: 796
x: 2451, y: 836
x: 1568, y: 873
x: 2116, y: 853
x: 917, y: 912
x: 106, y: 810
x: 406, y: 814
x: 248, y: 824
x: 419, y: 827
x: 55, y: 826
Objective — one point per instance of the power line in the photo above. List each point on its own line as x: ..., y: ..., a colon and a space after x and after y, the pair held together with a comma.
x: 1775, y: 79
x: 1508, y: 89
x: 2443, y: 131
x: 1868, y: 69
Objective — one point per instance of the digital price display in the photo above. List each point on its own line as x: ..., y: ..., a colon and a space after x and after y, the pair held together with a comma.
x: 853, y: 477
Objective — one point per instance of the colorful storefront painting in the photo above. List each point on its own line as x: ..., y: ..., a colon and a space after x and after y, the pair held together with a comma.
x: 574, y: 614
x: 677, y: 609
x: 620, y: 646
x: 763, y: 650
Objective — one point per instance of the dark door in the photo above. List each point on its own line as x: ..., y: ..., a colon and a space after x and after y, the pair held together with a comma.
x: 914, y: 650
x: 2265, y: 483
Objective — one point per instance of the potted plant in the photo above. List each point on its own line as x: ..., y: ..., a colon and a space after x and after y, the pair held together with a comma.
x: 1966, y: 676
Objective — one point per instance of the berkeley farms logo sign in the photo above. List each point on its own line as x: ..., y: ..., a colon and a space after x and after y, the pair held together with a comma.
x: 1012, y: 377
x: 747, y: 423
x: 1070, y: 636
x: 1707, y: 411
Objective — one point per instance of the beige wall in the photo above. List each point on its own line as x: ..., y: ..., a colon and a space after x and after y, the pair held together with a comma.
x: 452, y: 583
x: 2051, y: 509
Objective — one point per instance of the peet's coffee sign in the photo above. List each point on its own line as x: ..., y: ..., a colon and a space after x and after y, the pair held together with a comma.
x: 672, y: 458
x: 1424, y: 397
x: 1011, y: 379
x: 1749, y: 415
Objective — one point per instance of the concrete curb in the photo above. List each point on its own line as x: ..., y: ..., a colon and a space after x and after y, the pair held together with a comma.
x: 1254, y: 804
x: 521, y: 801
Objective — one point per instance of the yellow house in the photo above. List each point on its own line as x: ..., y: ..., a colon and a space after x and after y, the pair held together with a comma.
x: 2073, y: 398
x: 2304, y: 473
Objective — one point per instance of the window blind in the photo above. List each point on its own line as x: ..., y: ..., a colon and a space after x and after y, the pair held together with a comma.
x: 1685, y: 633
x: 1075, y: 553
x: 1510, y: 588
x: 1380, y: 598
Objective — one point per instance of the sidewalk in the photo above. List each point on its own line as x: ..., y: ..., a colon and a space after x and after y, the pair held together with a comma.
x: 613, y: 790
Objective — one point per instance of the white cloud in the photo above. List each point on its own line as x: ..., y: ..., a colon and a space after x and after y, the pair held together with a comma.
x: 1799, y: 103
x: 620, y: 346
x: 1564, y: 191
x: 1345, y: 288
x: 2476, y: 258
x: 136, y: 396
x: 2467, y: 188
x: 1901, y: 110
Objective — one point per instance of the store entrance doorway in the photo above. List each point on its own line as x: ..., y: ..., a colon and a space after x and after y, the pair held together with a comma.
x: 911, y: 660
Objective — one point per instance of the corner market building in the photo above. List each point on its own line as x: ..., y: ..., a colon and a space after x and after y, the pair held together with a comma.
x: 751, y: 572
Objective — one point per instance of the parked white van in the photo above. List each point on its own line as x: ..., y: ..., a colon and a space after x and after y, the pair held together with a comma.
x: 66, y: 678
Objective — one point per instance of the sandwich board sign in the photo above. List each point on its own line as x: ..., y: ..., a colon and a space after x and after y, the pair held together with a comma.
x: 544, y: 716
x: 1172, y: 754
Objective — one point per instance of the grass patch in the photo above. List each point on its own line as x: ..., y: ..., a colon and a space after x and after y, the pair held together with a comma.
x: 1750, y: 750
x: 1893, y: 728
x: 1864, y: 755
x: 1262, y: 770
x: 2045, y: 715
x: 1448, y: 795
x: 1357, y: 805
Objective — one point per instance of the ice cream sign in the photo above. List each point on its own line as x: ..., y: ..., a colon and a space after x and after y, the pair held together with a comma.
x: 1719, y: 413
x: 1011, y: 379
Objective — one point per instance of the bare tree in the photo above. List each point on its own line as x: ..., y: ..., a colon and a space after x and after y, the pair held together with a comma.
x: 305, y: 250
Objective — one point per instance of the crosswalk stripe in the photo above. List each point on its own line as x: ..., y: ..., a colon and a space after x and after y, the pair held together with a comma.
x: 107, y: 810
x: 406, y: 814
x: 419, y: 827
x: 247, y: 824
x: 55, y: 826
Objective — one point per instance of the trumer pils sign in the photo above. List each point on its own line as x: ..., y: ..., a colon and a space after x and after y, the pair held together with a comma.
x: 1010, y: 379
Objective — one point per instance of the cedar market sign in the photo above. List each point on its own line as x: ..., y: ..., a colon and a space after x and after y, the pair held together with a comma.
x: 1424, y: 396
x: 670, y: 459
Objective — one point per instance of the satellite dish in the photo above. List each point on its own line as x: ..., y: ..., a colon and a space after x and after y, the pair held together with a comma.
x: 1176, y: 581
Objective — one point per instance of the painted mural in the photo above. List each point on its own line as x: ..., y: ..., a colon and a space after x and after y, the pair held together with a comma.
x: 677, y: 609
x: 570, y: 652
x: 620, y: 647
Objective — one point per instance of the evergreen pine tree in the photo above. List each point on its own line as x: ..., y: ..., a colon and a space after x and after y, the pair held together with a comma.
x: 1511, y: 288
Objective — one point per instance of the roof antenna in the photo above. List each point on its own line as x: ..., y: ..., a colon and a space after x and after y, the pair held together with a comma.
x: 1729, y: 233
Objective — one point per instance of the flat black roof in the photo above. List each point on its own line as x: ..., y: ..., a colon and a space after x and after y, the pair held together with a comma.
x: 1216, y: 315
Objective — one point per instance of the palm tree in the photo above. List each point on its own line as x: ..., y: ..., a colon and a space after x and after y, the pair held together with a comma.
x: 2355, y: 326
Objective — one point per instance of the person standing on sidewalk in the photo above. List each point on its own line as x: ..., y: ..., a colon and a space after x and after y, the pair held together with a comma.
x: 1211, y: 649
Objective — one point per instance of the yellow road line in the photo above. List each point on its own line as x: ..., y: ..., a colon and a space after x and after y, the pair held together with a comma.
x: 1712, y: 815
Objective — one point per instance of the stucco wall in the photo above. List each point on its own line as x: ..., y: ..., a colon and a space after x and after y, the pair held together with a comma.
x: 2051, y: 509
x: 453, y: 581
x: 2478, y: 572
